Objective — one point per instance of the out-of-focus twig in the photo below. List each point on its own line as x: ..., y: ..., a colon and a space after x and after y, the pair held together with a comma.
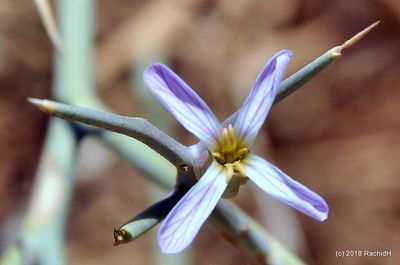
x: 44, y: 9
x: 41, y: 238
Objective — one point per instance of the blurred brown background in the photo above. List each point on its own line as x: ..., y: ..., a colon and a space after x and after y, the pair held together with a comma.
x: 339, y: 134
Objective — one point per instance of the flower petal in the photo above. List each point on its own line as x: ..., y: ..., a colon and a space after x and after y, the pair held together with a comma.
x: 258, y: 103
x: 280, y: 186
x: 185, y: 219
x: 186, y: 106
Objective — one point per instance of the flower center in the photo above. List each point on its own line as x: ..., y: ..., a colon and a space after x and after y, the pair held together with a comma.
x: 229, y: 150
x: 229, y: 153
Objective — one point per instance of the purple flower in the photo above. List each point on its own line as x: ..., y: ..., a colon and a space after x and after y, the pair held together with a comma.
x: 232, y: 163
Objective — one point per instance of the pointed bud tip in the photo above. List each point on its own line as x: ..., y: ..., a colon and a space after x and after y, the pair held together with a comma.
x: 43, y: 104
x: 350, y: 42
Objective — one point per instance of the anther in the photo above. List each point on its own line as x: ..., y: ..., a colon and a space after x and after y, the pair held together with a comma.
x: 229, y: 149
x: 241, y: 153
x: 226, y: 140
x: 232, y: 137
x: 219, y: 157
x: 229, y: 139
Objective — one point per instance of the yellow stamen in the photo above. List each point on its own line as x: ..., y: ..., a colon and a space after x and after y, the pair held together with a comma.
x: 229, y: 153
x: 229, y: 149
x: 232, y: 137
x: 241, y: 153
x: 219, y: 157
x: 227, y: 141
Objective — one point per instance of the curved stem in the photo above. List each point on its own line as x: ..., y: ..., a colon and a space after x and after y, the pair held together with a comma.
x: 137, y: 128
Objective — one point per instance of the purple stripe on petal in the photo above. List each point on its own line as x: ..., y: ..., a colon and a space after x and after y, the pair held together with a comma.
x: 186, y: 106
x: 258, y: 103
x: 280, y: 186
x: 186, y: 218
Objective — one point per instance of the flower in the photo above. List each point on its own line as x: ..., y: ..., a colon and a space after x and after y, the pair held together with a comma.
x: 232, y: 162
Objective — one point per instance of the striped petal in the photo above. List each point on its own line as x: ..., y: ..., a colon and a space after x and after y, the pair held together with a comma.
x: 280, y: 186
x: 186, y: 106
x: 186, y: 218
x: 257, y: 105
